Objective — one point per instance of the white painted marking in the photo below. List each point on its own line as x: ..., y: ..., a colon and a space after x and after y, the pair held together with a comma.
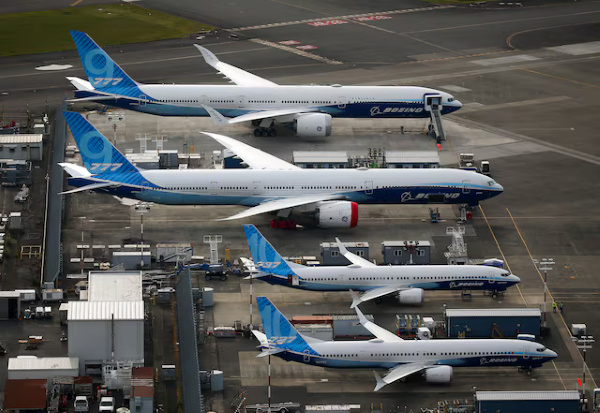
x: 578, y: 49
x: 327, y: 22
x: 307, y: 47
x: 296, y: 51
x: 54, y: 67
x: 289, y: 42
x: 505, y: 60
x: 371, y: 18
x: 455, y: 88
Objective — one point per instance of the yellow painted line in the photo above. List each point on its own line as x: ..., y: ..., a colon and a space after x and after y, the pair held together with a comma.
x: 76, y: 2
x: 566, y: 79
x: 559, y: 376
x: 548, y: 290
x: 501, y: 252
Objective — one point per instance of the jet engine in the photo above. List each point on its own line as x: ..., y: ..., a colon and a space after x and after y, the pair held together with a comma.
x: 337, y: 214
x: 440, y: 374
x: 412, y: 296
x: 313, y: 124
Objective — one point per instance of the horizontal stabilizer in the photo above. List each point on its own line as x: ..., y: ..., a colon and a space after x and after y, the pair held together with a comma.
x: 87, y: 188
x: 270, y: 352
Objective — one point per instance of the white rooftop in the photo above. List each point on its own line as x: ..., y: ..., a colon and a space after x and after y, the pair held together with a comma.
x: 115, y: 286
x: 43, y: 363
x: 103, y: 310
x: 320, y: 156
x: 24, y: 138
x: 493, y: 312
x: 527, y: 395
x: 412, y: 157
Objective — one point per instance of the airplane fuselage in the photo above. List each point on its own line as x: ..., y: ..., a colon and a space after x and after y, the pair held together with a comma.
x: 251, y: 187
x: 427, y: 277
x: 232, y: 100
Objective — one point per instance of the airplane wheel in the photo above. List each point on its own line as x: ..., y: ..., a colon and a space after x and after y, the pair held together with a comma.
x: 223, y: 278
x: 257, y: 132
x: 264, y: 132
x: 207, y: 277
x: 272, y: 132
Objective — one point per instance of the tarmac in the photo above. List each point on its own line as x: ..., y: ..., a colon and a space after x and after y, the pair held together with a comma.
x: 528, y: 80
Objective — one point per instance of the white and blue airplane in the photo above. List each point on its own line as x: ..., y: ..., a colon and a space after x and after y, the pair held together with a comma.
x: 308, y: 109
x: 328, y: 197
x: 408, y: 282
x: 434, y: 359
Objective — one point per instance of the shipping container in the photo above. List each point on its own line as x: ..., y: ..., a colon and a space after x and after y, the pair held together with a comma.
x: 350, y: 326
x: 320, y: 331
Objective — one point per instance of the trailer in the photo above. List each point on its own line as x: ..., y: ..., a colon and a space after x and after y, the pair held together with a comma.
x: 52, y: 295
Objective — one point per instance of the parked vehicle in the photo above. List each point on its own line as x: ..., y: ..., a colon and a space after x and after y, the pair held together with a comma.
x: 107, y: 404
x: 81, y: 404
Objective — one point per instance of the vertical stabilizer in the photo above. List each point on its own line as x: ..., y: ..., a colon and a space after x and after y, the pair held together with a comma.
x: 265, y: 257
x: 103, y: 73
x: 99, y: 156
x: 280, y: 332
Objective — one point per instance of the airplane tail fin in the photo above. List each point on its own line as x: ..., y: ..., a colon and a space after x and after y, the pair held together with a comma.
x: 103, y: 73
x: 99, y: 156
x: 265, y: 257
x: 279, y: 331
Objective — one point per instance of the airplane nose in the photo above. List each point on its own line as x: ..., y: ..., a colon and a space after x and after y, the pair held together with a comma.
x: 552, y: 354
x: 458, y: 103
x: 498, y: 187
x: 516, y: 279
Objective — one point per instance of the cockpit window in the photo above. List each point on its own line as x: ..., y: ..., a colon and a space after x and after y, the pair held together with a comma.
x: 541, y: 349
x: 450, y: 99
x: 491, y: 183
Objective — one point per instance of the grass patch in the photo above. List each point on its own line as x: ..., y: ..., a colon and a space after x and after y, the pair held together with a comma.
x: 48, y: 31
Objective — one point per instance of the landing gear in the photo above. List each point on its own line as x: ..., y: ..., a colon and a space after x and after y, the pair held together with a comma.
x: 265, y: 132
x: 527, y: 370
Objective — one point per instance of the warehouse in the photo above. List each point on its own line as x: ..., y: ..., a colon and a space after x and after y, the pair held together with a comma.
x: 406, y: 252
x: 494, y: 322
x: 412, y: 159
x: 321, y: 159
x: 114, y: 286
x: 101, y: 331
x: 566, y: 401
x: 32, y: 367
x: 21, y: 147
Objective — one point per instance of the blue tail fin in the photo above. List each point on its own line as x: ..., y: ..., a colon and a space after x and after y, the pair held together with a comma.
x: 103, y: 73
x: 279, y: 330
x: 265, y: 257
x: 99, y: 156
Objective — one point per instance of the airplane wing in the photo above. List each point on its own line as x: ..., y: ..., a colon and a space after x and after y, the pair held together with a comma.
x: 219, y: 119
x: 379, y: 332
x: 255, y: 158
x: 237, y: 75
x: 283, y: 203
x: 353, y: 258
x: 399, y: 372
x: 374, y: 293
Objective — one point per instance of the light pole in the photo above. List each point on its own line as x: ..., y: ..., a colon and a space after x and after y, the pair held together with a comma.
x: 142, y: 208
x: 81, y: 258
x: 115, y: 118
x: 583, y: 343
x: 546, y: 264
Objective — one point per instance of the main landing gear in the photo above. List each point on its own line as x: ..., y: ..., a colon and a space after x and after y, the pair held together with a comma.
x: 265, y: 132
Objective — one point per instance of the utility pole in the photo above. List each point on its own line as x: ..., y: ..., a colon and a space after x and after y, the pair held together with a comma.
x: 545, y: 265
x: 583, y: 343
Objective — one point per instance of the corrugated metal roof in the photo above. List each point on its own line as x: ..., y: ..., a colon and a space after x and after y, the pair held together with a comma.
x: 320, y: 156
x: 493, y: 312
x: 103, y: 310
x: 412, y: 157
x: 43, y: 363
x: 405, y: 243
x: 527, y: 395
x: 18, y: 139
x: 10, y: 294
x: 115, y: 286
x: 345, y: 244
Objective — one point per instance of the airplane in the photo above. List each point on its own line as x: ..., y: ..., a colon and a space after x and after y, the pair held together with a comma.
x: 407, y: 282
x: 434, y: 359
x: 328, y: 198
x: 308, y: 109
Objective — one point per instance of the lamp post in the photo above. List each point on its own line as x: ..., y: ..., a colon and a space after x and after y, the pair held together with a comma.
x: 583, y: 343
x: 142, y: 208
x: 545, y: 265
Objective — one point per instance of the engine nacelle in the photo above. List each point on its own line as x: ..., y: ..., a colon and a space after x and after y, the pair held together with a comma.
x: 440, y: 374
x: 412, y: 296
x: 337, y: 214
x: 313, y: 124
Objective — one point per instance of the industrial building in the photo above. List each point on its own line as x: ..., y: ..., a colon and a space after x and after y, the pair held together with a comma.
x: 21, y: 147
x: 412, y: 159
x: 492, y: 322
x: 142, y: 390
x: 561, y: 401
x: 10, y: 305
x: 330, y: 253
x: 321, y: 159
x: 131, y: 260
x: 32, y: 367
x: 173, y: 252
x: 25, y: 395
x: 406, y: 252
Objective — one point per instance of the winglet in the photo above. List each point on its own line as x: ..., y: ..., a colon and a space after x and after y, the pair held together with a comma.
x: 261, y: 337
x: 341, y: 246
x: 209, y: 57
x: 356, y: 300
x: 380, y: 382
x: 216, y: 117
x: 361, y: 317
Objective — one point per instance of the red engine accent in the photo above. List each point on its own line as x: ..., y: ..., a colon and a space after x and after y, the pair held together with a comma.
x: 274, y: 223
x: 354, y: 218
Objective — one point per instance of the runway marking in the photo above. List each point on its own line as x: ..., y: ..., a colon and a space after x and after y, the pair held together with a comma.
x: 322, y: 23
x: 76, y: 2
x: 548, y: 290
x: 510, y: 38
x: 346, y: 17
x: 505, y: 60
x: 501, y: 252
x: 566, y: 79
x: 296, y: 51
x: 577, y: 49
